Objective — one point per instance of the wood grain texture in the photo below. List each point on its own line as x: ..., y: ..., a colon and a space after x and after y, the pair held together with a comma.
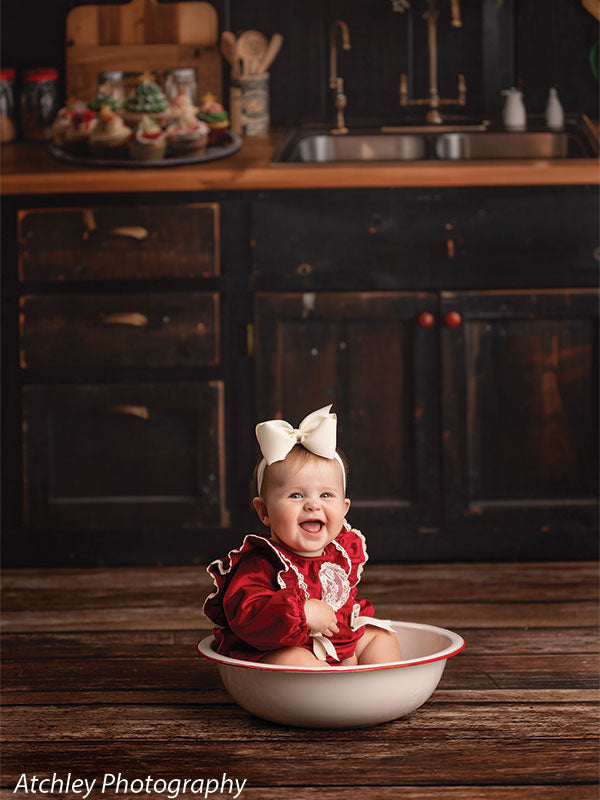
x: 28, y: 168
x: 100, y: 675
x: 141, y: 36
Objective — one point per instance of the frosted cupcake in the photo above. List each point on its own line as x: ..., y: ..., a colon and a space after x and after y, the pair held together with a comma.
x: 215, y: 117
x: 181, y: 105
x: 148, y: 101
x: 102, y: 100
x: 77, y: 133
x: 62, y: 121
x: 148, y: 142
x: 187, y: 136
x: 110, y: 135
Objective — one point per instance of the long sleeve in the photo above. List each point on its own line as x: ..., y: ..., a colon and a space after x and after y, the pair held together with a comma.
x: 262, y: 616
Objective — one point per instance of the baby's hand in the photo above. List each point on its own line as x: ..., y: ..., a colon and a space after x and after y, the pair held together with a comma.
x: 320, y: 617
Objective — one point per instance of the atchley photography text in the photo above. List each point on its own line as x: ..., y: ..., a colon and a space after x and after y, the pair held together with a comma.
x: 115, y: 784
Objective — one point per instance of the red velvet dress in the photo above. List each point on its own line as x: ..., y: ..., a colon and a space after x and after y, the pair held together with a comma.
x: 261, y: 588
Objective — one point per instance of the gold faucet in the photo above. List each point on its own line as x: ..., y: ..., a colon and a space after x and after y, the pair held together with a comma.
x: 434, y: 101
x: 335, y: 81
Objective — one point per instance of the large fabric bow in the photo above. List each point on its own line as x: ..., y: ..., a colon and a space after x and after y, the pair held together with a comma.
x: 316, y: 432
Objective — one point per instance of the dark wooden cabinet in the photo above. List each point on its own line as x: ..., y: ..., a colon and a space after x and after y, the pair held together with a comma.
x: 520, y: 408
x: 463, y: 414
x: 122, y: 396
x: 469, y: 404
x: 124, y: 457
x: 366, y: 353
x: 454, y: 330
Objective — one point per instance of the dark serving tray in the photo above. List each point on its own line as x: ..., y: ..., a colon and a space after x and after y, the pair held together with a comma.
x: 211, y: 154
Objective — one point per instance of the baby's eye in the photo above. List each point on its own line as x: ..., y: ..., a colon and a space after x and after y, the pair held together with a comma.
x: 296, y: 495
x: 326, y: 494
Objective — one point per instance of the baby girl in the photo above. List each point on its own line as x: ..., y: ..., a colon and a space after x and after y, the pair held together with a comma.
x: 289, y: 595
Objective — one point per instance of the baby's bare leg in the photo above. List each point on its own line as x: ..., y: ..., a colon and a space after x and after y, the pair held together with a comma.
x: 292, y: 657
x: 377, y: 646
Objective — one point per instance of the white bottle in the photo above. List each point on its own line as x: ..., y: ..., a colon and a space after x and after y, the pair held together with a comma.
x: 514, y: 115
x: 555, y: 116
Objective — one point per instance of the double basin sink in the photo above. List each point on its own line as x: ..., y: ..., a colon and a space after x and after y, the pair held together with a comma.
x: 313, y: 146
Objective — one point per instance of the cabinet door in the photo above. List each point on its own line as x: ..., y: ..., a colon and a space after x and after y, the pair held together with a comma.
x: 366, y: 354
x: 520, y: 409
x: 123, y: 457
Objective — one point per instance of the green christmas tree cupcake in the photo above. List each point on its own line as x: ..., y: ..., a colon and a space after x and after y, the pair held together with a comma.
x: 148, y: 101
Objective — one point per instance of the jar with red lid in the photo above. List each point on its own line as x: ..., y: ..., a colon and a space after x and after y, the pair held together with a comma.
x: 39, y: 102
x: 8, y: 111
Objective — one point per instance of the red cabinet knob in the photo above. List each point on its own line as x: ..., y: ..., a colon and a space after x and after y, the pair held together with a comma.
x: 453, y: 319
x: 426, y: 319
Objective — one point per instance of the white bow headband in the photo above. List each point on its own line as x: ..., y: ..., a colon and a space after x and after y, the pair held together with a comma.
x: 316, y: 432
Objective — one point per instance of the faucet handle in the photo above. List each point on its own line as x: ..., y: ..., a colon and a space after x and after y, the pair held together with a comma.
x: 403, y: 89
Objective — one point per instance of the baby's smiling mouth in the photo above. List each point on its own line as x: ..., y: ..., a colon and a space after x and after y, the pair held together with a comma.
x: 312, y: 525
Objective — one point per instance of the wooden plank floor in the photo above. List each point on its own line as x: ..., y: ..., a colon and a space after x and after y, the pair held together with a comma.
x: 100, y: 676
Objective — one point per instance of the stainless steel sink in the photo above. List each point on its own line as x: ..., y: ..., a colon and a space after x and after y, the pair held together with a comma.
x: 505, y: 144
x: 326, y: 148
x: 457, y: 143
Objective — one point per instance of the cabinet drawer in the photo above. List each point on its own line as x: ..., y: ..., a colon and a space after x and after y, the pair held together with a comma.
x: 80, y: 244
x: 124, y: 457
x: 123, y: 330
x: 426, y: 238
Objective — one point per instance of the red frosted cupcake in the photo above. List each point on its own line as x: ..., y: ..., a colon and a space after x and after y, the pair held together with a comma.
x: 77, y: 134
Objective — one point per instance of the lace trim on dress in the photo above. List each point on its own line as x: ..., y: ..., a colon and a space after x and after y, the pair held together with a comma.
x: 335, y: 586
x: 218, y: 562
x: 361, y: 566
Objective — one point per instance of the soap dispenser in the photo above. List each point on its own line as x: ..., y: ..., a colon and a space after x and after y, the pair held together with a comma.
x: 555, y: 116
x: 514, y: 115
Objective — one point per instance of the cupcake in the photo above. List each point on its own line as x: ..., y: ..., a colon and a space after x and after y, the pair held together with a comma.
x: 215, y: 117
x: 102, y: 100
x: 77, y: 134
x: 148, y: 142
x: 182, y: 105
x: 187, y: 136
x: 148, y: 101
x: 110, y: 135
x: 62, y: 121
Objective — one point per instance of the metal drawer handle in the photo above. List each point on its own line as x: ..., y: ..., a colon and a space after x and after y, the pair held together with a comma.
x: 141, y: 412
x: 126, y: 318
x: 131, y: 232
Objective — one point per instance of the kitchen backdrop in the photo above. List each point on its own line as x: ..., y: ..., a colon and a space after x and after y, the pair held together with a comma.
x: 534, y: 43
x: 449, y: 310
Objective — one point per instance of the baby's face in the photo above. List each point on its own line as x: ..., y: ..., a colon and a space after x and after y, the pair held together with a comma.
x: 304, y: 504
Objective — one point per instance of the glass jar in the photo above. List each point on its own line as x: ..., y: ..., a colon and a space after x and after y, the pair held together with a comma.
x: 181, y: 79
x: 39, y: 102
x: 8, y: 111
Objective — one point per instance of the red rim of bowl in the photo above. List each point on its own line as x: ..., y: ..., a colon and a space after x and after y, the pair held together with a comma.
x: 457, y: 643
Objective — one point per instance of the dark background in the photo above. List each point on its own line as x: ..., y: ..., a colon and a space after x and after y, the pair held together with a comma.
x: 531, y: 43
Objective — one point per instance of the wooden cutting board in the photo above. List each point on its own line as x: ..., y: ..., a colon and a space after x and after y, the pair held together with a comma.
x: 141, y: 36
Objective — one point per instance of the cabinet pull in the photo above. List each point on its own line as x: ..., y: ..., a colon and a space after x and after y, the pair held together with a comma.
x: 131, y: 232
x: 89, y: 222
x: 453, y: 319
x: 141, y: 412
x: 426, y: 319
x: 126, y: 318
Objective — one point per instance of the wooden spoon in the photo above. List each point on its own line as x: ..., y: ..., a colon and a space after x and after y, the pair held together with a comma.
x: 271, y: 52
x: 228, y: 49
x: 251, y: 47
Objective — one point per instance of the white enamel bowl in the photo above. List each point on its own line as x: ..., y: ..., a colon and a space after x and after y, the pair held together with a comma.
x: 341, y: 697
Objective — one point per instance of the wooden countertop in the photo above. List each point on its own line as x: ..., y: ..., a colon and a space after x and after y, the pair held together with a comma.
x: 100, y: 676
x: 28, y: 168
